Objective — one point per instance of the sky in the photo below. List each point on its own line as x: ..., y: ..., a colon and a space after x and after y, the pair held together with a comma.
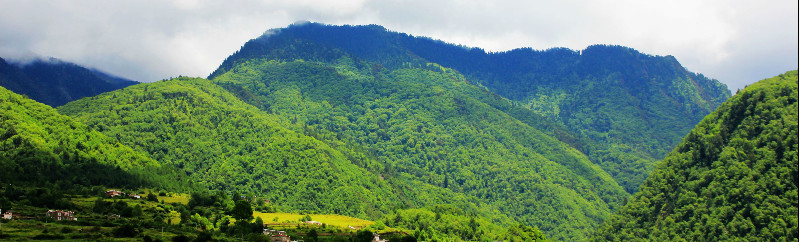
x: 737, y: 42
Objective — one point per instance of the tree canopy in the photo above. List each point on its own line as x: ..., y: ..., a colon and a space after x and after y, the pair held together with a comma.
x: 734, y: 177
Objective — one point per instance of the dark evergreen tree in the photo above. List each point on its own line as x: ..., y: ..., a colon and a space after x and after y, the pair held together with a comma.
x: 242, y: 211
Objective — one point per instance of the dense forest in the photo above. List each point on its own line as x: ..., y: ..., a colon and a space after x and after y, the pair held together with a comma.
x: 222, y: 143
x: 734, y: 177
x: 55, y: 82
x: 627, y: 108
x: 400, y: 138
x: 51, y: 161
x: 431, y: 125
x: 41, y: 147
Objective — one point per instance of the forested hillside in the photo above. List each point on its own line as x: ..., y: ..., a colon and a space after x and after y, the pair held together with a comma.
x: 55, y: 82
x: 733, y: 178
x: 429, y: 124
x: 391, y: 139
x: 450, y: 142
x: 41, y: 147
x: 224, y: 144
x: 629, y: 109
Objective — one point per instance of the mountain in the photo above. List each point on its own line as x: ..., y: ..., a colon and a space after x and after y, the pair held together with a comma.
x: 222, y: 143
x: 360, y: 121
x: 428, y: 123
x: 55, y: 82
x: 43, y: 148
x: 627, y: 109
x: 733, y: 178
x: 356, y: 139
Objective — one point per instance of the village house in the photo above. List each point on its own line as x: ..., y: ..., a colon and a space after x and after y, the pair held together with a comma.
x: 277, y: 236
x: 62, y: 215
x: 377, y: 238
x: 134, y: 196
x: 8, y: 215
x: 313, y: 222
x: 113, y: 193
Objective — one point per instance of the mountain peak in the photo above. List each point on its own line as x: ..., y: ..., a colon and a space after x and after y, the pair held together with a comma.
x: 558, y: 83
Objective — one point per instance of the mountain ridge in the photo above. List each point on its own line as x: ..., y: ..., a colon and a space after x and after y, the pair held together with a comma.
x: 55, y: 82
x: 614, y: 99
x: 733, y: 177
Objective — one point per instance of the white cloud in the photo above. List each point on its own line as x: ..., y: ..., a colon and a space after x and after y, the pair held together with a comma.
x: 737, y: 42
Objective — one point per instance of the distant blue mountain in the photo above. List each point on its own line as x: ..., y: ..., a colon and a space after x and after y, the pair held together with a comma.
x: 55, y: 82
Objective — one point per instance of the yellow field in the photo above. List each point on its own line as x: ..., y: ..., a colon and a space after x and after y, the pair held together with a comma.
x: 182, y: 198
x: 331, y: 220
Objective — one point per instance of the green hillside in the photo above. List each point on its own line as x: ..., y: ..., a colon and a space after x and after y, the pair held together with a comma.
x: 41, y: 147
x: 428, y: 124
x: 626, y: 108
x: 224, y: 144
x: 733, y: 178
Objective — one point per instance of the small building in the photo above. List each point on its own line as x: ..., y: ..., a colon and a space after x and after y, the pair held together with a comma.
x: 62, y: 215
x: 280, y: 238
x: 113, y: 193
x: 313, y: 222
x: 377, y: 238
x: 134, y: 196
x: 8, y: 215
x: 277, y: 236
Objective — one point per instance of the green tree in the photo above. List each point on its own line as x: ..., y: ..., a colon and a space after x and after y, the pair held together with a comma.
x: 312, y: 235
x: 202, y: 222
x: 363, y: 236
x: 152, y: 197
x: 242, y: 211
x: 732, y: 178
x: 125, y: 230
x: 258, y: 225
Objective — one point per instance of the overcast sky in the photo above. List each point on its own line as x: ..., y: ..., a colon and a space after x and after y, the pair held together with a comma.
x: 735, y: 41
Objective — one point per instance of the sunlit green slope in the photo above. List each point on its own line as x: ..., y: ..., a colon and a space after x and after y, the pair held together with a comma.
x: 40, y: 147
x: 733, y: 178
x: 428, y: 124
x: 626, y: 108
